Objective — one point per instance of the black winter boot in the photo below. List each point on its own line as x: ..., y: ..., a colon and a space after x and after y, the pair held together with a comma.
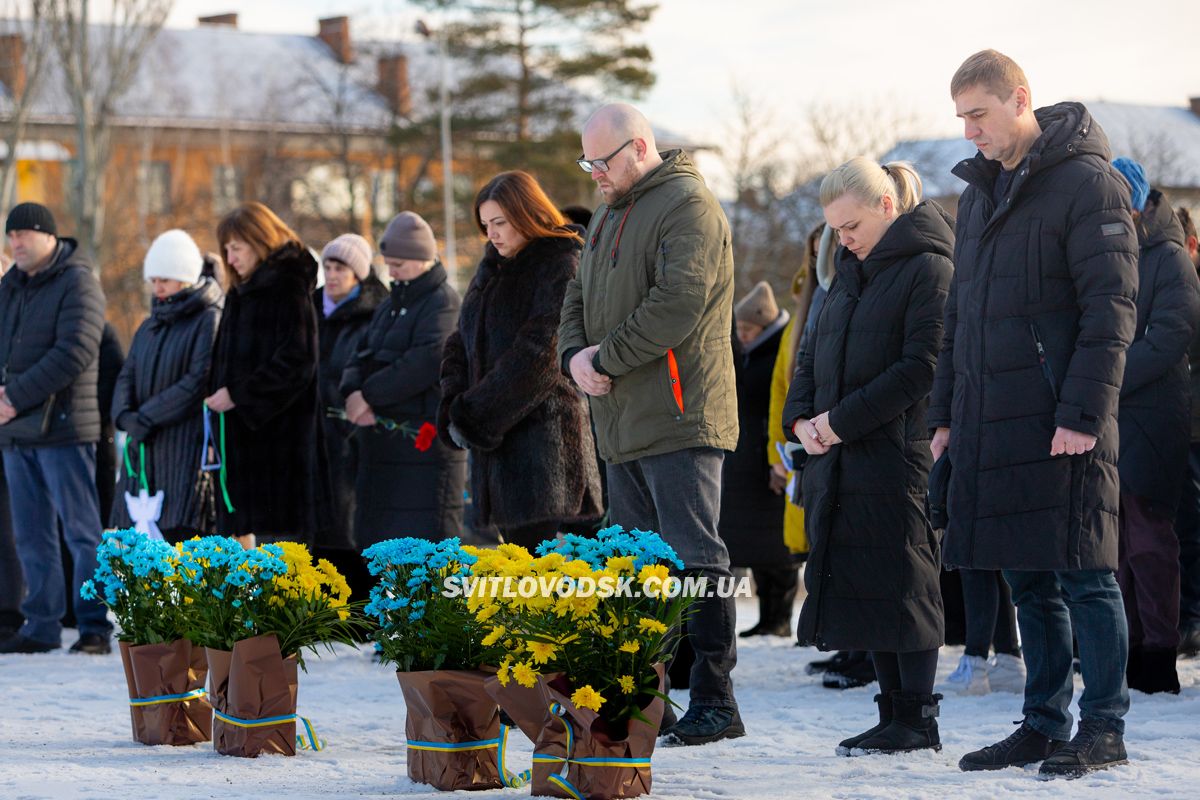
x: 913, y: 726
x: 885, y: 717
x: 1156, y: 671
x: 1097, y: 745
x: 1023, y: 746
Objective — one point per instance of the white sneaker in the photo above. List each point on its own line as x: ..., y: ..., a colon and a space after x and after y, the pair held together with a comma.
x: 1006, y: 673
x: 971, y: 676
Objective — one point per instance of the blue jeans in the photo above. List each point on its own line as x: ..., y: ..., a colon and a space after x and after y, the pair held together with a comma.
x: 47, y: 484
x: 678, y: 495
x: 1050, y: 606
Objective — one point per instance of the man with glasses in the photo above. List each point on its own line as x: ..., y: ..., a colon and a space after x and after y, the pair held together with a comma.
x: 645, y: 333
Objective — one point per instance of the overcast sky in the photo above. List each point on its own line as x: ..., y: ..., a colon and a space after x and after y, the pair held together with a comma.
x: 790, y: 54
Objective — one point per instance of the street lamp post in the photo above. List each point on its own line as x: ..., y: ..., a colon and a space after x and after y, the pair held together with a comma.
x: 447, y: 162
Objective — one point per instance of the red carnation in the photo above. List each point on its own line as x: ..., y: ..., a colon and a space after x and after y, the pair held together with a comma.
x: 425, y: 437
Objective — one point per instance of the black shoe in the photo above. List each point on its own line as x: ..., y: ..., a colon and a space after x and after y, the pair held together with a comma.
x: 1189, y: 642
x: 1097, y: 745
x: 23, y: 644
x: 93, y: 644
x: 885, y: 717
x: 1024, y: 746
x: 758, y: 629
x: 857, y: 672
x: 780, y: 628
x: 834, y: 662
x: 913, y: 726
x: 1156, y: 671
x: 704, y: 724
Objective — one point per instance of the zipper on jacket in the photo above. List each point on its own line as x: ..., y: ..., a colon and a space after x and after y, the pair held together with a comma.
x: 1041, y: 352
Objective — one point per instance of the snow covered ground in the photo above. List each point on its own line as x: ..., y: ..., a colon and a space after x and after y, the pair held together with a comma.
x: 64, y: 733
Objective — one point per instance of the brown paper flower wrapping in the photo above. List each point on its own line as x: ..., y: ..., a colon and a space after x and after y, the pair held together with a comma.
x: 450, y: 706
x: 156, y: 670
x: 253, y: 682
x: 530, y: 710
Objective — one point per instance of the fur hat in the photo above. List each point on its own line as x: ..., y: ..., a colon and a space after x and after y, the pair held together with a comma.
x: 173, y: 255
x: 758, y: 307
x: 353, y: 251
x: 408, y: 237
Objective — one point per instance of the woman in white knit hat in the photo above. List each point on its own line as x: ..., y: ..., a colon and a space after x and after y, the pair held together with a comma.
x: 160, y: 391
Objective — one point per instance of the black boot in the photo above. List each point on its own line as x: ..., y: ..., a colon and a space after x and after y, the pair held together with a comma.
x: 1023, y: 746
x: 834, y: 662
x: 1097, y: 745
x: 913, y: 726
x: 885, y: 717
x: 1156, y: 671
x: 857, y: 671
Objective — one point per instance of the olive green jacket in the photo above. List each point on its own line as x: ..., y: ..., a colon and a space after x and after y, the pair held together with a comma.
x: 655, y: 292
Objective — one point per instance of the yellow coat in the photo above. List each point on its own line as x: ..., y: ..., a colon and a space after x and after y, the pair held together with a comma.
x: 793, y: 515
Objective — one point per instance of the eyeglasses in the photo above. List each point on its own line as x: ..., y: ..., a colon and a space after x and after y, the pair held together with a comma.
x: 600, y: 164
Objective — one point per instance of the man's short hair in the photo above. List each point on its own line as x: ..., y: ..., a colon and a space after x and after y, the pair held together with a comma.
x: 991, y: 69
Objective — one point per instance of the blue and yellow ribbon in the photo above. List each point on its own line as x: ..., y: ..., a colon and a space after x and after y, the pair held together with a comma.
x: 500, y: 743
x: 560, y: 779
x: 141, y: 702
x: 307, y: 742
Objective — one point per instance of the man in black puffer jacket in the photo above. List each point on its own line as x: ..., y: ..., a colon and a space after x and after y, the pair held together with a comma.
x: 1154, y: 425
x: 51, y: 318
x: 1040, y: 314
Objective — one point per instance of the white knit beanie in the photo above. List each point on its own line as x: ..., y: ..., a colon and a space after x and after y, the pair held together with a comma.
x: 175, y: 256
x: 352, y: 250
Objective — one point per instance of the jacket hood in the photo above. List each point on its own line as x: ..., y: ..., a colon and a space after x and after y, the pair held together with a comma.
x: 676, y: 164
x: 190, y: 301
x: 372, y: 292
x: 409, y: 291
x: 925, y: 229
x: 1158, y: 223
x: 290, y: 265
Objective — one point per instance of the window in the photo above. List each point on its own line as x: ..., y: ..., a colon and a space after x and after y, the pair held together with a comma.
x: 154, y: 187
x: 226, y: 188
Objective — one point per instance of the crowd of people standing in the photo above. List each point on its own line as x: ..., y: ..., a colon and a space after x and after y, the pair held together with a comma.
x: 1021, y: 369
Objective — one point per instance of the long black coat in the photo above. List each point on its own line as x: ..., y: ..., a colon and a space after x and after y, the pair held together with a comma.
x: 266, y: 355
x: 1052, y: 268
x: 751, y: 514
x: 872, y: 574
x: 532, y: 455
x: 403, y: 491
x: 50, y: 328
x: 1155, y: 396
x: 340, y: 336
x: 158, y: 401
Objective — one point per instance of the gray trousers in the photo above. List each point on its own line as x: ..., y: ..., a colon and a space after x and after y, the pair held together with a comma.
x: 678, y: 495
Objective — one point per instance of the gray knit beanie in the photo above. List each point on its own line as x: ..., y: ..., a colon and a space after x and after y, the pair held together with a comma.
x: 408, y: 237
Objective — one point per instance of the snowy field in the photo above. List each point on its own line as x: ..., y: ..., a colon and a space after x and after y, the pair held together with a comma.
x: 64, y: 733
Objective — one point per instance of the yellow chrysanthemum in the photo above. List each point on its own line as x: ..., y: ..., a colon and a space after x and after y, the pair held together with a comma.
x: 525, y: 675
x: 542, y: 652
x: 631, y: 646
x: 657, y: 572
x: 627, y: 684
x: 587, y: 697
x: 648, y: 625
x: 621, y: 565
x: 493, y: 636
x: 576, y: 569
x: 486, y: 613
x: 504, y: 674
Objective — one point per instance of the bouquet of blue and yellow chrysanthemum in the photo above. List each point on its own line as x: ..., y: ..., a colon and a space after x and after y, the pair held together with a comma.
x: 138, y: 578
x: 421, y: 625
x: 602, y: 615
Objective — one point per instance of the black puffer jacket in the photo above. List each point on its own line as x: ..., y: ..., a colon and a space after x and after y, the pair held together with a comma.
x: 158, y: 401
x: 532, y: 455
x: 266, y: 355
x: 50, y: 328
x: 1155, y: 397
x: 403, y: 491
x: 340, y: 336
x: 872, y: 574
x: 1052, y: 269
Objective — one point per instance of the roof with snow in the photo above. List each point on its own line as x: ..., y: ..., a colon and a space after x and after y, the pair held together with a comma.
x: 1164, y: 139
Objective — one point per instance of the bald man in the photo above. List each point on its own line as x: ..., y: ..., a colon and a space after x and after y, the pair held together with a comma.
x: 645, y: 333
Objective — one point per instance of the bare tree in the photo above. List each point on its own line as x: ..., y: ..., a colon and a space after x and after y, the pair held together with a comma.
x: 23, y: 65
x: 99, y: 63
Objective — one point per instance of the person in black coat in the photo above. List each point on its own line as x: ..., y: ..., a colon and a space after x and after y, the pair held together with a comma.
x: 345, y: 306
x: 160, y: 391
x: 504, y: 397
x: 751, y: 512
x: 1041, y: 311
x: 51, y: 321
x: 1187, y: 523
x: 1154, y: 426
x: 409, y: 482
x: 273, y: 484
x: 857, y: 403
